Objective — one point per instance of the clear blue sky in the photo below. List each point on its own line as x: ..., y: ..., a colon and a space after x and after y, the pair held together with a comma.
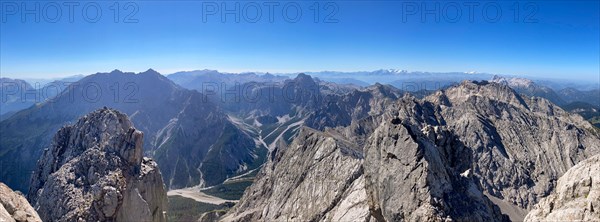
x: 559, y: 39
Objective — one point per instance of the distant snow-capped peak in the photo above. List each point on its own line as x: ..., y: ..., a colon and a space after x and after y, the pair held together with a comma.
x: 391, y: 71
x: 513, y: 82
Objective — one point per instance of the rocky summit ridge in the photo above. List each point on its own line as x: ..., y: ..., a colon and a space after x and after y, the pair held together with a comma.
x: 471, y: 152
x: 94, y: 171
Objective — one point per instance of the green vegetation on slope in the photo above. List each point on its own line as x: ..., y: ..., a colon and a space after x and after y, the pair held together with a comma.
x: 230, y: 190
x: 186, y: 209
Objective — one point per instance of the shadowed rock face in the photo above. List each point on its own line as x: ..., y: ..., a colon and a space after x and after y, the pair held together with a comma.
x: 576, y: 197
x: 415, y: 176
x: 424, y: 160
x: 14, y: 207
x: 94, y: 171
x: 180, y: 128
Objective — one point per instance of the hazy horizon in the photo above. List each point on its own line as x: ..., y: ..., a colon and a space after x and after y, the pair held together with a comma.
x: 170, y: 72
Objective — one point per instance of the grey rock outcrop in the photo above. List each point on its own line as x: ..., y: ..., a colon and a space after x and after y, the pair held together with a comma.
x: 94, y: 171
x: 341, y: 110
x: 448, y: 156
x: 520, y: 146
x: 576, y: 197
x: 318, y: 177
x: 414, y: 176
x: 14, y: 207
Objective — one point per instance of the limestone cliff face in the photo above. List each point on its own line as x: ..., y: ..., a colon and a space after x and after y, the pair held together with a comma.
x: 318, y: 177
x: 94, y: 171
x: 341, y: 110
x: 520, y: 145
x: 430, y: 159
x: 14, y: 207
x: 576, y: 197
x: 415, y: 176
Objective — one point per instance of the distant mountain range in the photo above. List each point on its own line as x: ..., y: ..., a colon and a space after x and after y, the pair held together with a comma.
x: 13, y: 96
x: 193, y: 141
x: 414, y: 81
x: 202, y: 79
x: 401, y: 79
x: 18, y: 94
x: 381, y: 145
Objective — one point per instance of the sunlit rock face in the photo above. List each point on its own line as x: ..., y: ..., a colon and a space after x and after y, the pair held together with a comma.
x: 436, y: 158
x: 14, y: 207
x: 576, y: 197
x: 94, y: 171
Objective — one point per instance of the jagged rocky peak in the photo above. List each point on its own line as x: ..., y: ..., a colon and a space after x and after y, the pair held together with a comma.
x: 473, y: 90
x: 116, y: 71
x: 14, y: 207
x: 303, y: 78
x: 412, y: 174
x: 405, y: 175
x: 576, y: 196
x: 303, y: 84
x: 302, y: 91
x: 151, y: 71
x: 383, y: 91
x: 94, y: 171
x: 477, y: 151
x: 521, y: 145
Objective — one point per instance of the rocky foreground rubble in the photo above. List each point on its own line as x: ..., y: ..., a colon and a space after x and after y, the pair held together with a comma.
x: 576, y: 197
x: 14, y: 207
